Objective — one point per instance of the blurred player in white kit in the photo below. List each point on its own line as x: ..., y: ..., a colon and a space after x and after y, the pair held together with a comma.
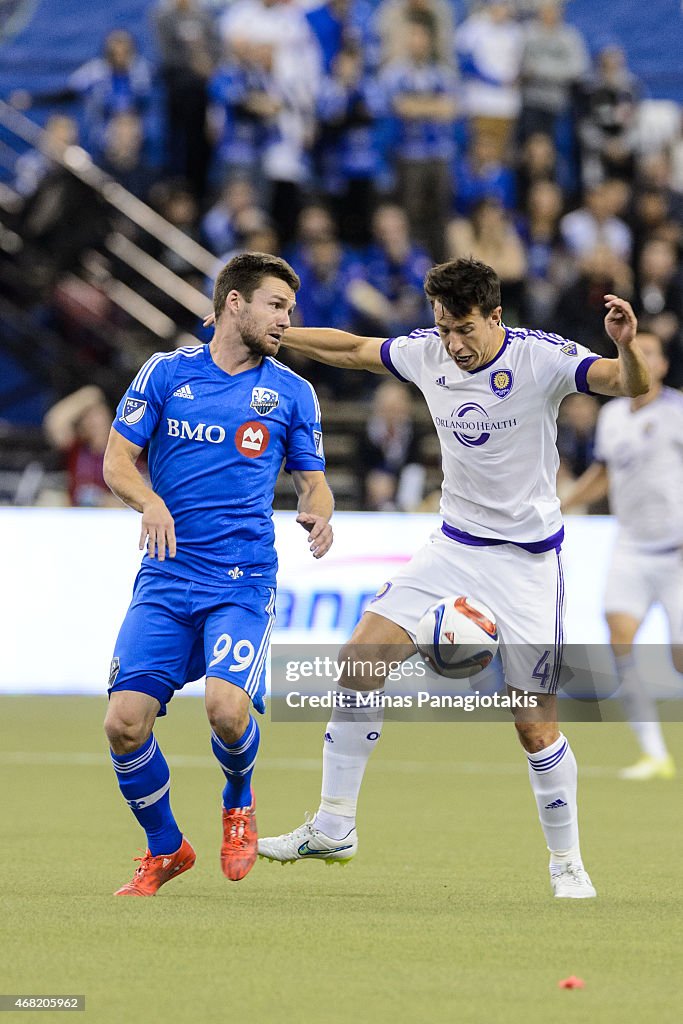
x: 639, y: 463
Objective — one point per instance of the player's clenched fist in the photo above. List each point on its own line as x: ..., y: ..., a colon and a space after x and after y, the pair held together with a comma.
x: 620, y: 322
x: 158, y: 529
x: 319, y: 533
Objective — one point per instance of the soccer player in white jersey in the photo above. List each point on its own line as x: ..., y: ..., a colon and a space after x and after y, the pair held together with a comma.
x: 639, y: 462
x: 493, y: 393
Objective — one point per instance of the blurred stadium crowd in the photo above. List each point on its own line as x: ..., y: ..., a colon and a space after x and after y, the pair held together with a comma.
x: 360, y: 140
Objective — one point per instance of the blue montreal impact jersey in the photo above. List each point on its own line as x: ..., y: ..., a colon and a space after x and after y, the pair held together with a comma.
x: 216, y: 445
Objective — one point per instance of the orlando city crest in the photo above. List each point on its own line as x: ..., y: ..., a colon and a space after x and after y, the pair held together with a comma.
x: 501, y: 382
x: 264, y: 400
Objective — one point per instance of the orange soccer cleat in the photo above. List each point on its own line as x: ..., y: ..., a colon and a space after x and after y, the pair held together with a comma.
x: 155, y: 871
x: 238, y: 851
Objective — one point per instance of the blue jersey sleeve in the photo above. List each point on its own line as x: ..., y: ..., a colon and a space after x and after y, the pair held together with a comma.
x: 139, y: 411
x: 305, y: 436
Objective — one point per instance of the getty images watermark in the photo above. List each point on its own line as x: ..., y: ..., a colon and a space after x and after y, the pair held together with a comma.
x: 303, y: 687
x: 308, y: 681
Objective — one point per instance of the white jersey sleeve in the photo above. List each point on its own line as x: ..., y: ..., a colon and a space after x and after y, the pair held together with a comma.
x: 404, y: 355
x: 559, y: 365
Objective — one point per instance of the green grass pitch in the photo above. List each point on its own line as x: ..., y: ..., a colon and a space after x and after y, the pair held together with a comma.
x: 445, y: 914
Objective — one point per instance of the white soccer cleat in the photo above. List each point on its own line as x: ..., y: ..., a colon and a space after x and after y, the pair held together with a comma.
x: 308, y: 843
x: 571, y: 881
x: 649, y: 768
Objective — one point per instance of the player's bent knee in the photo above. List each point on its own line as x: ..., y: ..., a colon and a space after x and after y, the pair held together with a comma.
x: 227, y: 708
x: 124, y: 734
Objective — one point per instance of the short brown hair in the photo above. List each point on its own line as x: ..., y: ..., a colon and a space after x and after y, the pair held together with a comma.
x: 244, y: 274
x: 462, y: 284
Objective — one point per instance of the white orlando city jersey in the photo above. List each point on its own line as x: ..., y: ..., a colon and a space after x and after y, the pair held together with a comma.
x: 643, y: 452
x: 497, y: 426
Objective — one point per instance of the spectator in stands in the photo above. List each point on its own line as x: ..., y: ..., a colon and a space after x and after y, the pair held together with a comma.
x: 276, y: 36
x: 389, y: 294
x: 32, y: 167
x: 79, y: 427
x: 481, y: 174
x: 580, y: 310
x: 350, y: 143
x: 389, y: 452
x: 244, y: 104
x: 315, y: 223
x: 393, y: 20
x: 554, y: 60
x: 123, y: 155
x: 178, y: 206
x: 490, y: 235
x: 222, y: 227
x: 339, y: 24
x: 538, y: 161
x: 189, y: 51
x: 607, y: 129
x: 658, y: 300
x: 489, y: 45
x: 421, y: 92
x: 576, y: 438
x: 326, y: 270
x: 596, y: 223
x: 118, y: 82
x: 547, y: 264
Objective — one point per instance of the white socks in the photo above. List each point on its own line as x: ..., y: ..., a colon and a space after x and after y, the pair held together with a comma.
x: 639, y: 708
x: 552, y: 773
x: 351, y: 736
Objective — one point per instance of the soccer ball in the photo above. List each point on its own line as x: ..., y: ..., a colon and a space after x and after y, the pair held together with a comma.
x: 458, y: 637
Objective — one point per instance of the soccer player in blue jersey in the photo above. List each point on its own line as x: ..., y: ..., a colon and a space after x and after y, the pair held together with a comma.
x: 220, y: 419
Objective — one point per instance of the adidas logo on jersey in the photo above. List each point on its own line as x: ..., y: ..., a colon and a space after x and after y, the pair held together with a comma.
x: 555, y: 805
x: 183, y: 392
x: 441, y: 381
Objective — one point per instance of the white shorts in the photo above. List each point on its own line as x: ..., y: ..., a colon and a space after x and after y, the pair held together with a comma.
x: 525, y: 592
x: 637, y: 579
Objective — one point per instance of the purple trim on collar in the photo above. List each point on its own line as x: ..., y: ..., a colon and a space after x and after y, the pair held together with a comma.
x: 582, y: 373
x: 385, y: 356
x: 535, y: 547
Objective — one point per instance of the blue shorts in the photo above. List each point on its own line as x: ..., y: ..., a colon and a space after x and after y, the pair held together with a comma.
x: 176, y: 631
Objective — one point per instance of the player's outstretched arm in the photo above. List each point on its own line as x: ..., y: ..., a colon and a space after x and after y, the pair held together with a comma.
x: 123, y: 478
x: 590, y: 487
x: 628, y: 374
x: 337, y: 348
x: 316, y: 505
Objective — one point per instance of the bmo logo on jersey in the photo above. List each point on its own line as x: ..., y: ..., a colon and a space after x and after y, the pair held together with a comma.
x: 252, y: 439
x: 202, y: 432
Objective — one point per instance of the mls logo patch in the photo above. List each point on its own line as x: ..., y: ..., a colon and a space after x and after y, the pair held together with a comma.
x: 114, y: 669
x: 133, y: 411
x: 501, y: 382
x: 569, y: 349
x: 263, y: 400
x: 318, y: 442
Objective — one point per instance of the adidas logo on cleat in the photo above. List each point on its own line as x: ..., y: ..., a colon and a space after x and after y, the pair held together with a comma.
x: 555, y: 805
x: 183, y: 392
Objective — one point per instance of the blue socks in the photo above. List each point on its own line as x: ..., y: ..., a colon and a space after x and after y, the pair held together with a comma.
x: 237, y: 761
x: 145, y: 781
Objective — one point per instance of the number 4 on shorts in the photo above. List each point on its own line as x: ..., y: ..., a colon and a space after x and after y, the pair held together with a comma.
x: 542, y: 669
